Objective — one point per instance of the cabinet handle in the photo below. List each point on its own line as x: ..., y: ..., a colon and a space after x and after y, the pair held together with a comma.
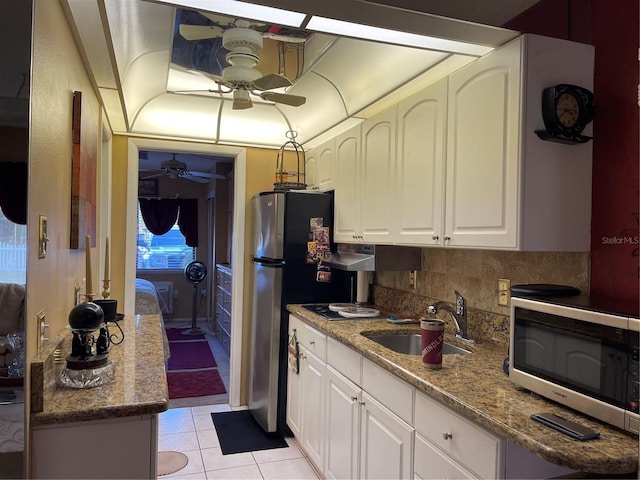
x: 447, y: 435
x: 435, y: 237
x: 312, y: 342
x: 354, y: 399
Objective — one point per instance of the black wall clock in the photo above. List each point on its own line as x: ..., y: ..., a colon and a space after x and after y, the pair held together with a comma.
x: 566, y: 110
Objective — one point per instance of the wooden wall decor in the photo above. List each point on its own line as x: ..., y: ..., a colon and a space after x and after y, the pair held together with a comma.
x: 83, y: 175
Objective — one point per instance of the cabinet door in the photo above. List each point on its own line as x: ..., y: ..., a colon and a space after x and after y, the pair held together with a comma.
x: 420, y: 166
x: 325, y: 167
x: 386, y: 449
x: 483, y: 151
x: 312, y: 404
x: 294, y: 412
x: 343, y: 426
x: 311, y: 169
x: 377, y: 209
x: 429, y: 462
x: 347, y: 187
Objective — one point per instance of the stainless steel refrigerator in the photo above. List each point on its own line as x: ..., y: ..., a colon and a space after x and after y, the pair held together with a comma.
x: 284, y: 224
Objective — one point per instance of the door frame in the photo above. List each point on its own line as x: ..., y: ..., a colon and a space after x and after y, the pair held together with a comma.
x: 238, y: 256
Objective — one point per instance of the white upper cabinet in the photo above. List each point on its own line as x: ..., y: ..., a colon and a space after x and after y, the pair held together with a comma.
x: 459, y: 163
x: 377, y: 207
x: 326, y: 165
x: 420, y: 166
x: 311, y: 169
x: 483, y: 151
x: 347, y: 186
x: 507, y: 188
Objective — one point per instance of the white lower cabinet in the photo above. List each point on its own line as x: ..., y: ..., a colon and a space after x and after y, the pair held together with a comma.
x: 462, y: 445
x: 311, y: 404
x: 356, y: 420
x: 344, y: 400
x: 305, y: 391
x: 430, y: 462
x: 386, y: 449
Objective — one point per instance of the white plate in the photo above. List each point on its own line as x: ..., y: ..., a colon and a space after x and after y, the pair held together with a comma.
x: 353, y: 312
x: 336, y: 307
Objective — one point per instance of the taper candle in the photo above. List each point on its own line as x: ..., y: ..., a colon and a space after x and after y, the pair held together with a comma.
x: 89, y: 285
x: 106, y: 260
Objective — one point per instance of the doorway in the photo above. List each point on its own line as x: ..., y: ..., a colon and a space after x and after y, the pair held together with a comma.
x: 238, y: 222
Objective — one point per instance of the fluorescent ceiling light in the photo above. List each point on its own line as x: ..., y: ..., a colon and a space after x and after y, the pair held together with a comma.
x: 355, y: 30
x: 250, y: 11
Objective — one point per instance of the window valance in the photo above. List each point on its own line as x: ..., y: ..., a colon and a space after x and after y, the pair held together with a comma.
x: 160, y: 214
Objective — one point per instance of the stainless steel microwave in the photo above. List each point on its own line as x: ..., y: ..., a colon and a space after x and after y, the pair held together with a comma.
x: 584, y: 359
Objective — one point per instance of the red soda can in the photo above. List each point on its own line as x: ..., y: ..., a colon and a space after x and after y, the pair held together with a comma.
x: 432, y: 332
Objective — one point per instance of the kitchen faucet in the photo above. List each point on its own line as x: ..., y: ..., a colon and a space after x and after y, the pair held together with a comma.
x: 459, y: 315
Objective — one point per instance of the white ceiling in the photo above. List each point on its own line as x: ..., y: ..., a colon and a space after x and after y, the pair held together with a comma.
x: 128, y: 48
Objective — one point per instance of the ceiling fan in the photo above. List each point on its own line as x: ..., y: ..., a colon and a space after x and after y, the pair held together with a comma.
x: 240, y: 77
x: 176, y: 169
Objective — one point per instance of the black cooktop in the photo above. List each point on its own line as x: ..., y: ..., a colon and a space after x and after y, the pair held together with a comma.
x: 323, y: 311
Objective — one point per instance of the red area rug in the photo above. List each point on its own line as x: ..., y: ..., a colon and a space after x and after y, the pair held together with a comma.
x: 195, y: 384
x: 190, y: 355
x: 177, y: 334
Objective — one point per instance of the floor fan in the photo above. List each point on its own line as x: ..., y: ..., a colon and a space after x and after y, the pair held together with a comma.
x: 195, y: 272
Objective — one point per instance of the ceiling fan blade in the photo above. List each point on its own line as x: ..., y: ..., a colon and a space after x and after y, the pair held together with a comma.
x: 271, y: 81
x: 284, y: 38
x: 194, y: 178
x: 219, y: 19
x: 201, y: 174
x: 200, y: 32
x: 284, y: 98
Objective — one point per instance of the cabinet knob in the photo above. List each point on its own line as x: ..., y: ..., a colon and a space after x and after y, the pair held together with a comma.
x: 447, y: 435
x: 354, y: 399
x: 435, y: 237
x: 311, y: 342
x: 446, y: 238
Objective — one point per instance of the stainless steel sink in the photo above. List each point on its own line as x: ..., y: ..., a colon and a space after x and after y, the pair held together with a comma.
x: 411, y: 344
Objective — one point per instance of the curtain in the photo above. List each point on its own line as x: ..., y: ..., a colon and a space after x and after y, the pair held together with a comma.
x: 188, y: 220
x: 13, y: 191
x: 159, y: 215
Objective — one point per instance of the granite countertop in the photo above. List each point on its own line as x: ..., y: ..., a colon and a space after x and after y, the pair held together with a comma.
x: 138, y: 388
x: 475, y: 386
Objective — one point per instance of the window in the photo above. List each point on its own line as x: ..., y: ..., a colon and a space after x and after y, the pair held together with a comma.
x: 13, y: 251
x: 162, y: 252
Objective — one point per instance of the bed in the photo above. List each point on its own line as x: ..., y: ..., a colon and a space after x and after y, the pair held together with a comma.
x: 146, y: 298
x: 147, y: 303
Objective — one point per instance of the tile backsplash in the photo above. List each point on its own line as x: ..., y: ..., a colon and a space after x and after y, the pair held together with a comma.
x: 475, y: 274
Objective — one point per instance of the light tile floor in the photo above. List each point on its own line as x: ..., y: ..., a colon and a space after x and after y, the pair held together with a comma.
x: 190, y: 430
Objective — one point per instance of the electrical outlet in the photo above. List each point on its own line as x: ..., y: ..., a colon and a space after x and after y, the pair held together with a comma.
x: 504, y: 294
x: 413, y: 283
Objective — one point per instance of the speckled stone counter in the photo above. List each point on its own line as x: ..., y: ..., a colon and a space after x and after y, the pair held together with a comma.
x: 139, y: 386
x: 475, y: 386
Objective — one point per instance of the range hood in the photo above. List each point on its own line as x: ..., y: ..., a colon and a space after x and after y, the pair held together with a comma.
x: 370, y: 258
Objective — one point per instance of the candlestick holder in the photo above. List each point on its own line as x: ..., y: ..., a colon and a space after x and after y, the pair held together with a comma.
x: 106, y: 285
x: 88, y: 297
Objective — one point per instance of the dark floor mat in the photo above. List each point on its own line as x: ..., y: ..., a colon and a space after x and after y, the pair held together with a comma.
x: 238, y: 432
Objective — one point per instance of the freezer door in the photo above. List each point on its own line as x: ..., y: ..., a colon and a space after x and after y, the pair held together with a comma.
x: 268, y: 229
x: 265, y: 344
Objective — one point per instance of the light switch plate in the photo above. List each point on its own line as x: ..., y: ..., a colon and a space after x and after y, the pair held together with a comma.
x: 42, y: 237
